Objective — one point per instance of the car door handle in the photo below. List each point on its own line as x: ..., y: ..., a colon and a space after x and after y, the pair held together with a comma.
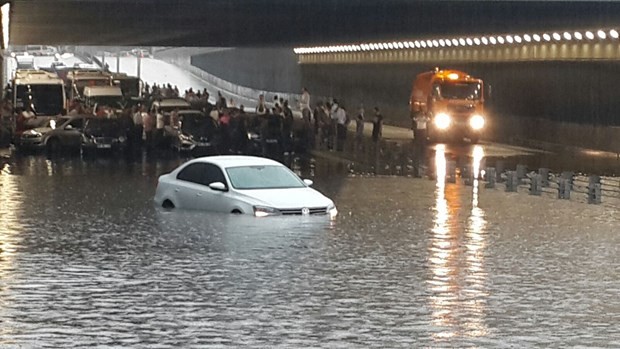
x: 198, y: 194
x: 176, y: 190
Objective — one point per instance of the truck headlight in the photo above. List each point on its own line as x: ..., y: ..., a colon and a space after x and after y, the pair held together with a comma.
x: 476, y: 122
x: 442, y: 121
x: 264, y: 211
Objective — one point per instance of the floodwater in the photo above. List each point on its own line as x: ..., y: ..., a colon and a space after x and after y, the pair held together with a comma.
x: 87, y: 260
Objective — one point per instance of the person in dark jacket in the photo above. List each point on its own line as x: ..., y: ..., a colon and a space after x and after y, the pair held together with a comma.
x: 377, y: 125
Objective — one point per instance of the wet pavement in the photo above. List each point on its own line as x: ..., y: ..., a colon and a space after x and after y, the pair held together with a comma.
x: 87, y: 260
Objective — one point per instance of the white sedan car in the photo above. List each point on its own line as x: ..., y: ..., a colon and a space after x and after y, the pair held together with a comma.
x: 240, y: 184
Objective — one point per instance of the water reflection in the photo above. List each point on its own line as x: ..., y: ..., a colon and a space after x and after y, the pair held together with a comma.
x: 457, y: 281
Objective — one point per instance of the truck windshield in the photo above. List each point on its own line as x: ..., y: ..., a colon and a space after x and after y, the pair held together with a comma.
x: 110, y: 101
x: 461, y: 90
x: 80, y: 84
x: 43, y: 99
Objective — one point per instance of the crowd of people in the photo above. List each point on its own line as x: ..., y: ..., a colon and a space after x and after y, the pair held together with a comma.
x: 325, y: 126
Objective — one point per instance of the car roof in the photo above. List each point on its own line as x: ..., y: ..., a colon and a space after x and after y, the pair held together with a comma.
x: 225, y: 161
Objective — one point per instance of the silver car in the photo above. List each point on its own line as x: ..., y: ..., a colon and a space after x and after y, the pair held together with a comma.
x: 241, y: 184
x: 55, y: 134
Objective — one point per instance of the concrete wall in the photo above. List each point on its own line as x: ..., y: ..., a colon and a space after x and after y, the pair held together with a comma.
x: 270, y: 69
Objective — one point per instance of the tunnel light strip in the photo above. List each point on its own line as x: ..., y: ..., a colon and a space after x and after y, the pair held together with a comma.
x: 464, y: 41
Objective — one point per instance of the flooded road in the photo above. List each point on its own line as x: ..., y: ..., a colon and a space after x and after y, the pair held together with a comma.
x: 87, y: 260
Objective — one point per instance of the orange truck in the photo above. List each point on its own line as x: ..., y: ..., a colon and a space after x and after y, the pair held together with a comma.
x: 452, y: 102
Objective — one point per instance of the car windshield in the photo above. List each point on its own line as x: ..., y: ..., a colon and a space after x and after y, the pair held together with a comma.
x: 42, y: 99
x: 110, y: 101
x: 198, y: 126
x: 461, y: 90
x: 102, y: 128
x: 263, y: 177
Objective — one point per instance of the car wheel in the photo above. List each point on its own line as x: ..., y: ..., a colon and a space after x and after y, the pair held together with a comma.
x: 167, y: 204
x: 236, y: 211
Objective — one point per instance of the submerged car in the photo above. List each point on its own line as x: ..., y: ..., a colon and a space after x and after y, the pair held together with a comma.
x: 102, y: 134
x: 242, y: 185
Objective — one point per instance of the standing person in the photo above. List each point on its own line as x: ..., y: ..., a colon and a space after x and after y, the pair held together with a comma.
x: 261, y: 108
x: 160, y: 122
x: 420, y: 134
x: 287, y: 128
x: 339, y: 116
x: 359, y: 125
x: 377, y: 125
x: 138, y: 128
x: 149, y: 125
x: 276, y: 103
x: 304, y: 105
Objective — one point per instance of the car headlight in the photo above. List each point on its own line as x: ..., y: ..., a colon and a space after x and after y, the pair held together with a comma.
x: 35, y: 133
x: 442, y: 121
x: 332, y: 211
x: 264, y: 211
x: 476, y: 122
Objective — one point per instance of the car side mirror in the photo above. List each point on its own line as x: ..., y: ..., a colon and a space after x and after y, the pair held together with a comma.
x: 218, y: 186
x: 308, y: 182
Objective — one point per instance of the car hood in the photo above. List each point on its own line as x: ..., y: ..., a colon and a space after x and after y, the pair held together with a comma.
x: 287, y: 198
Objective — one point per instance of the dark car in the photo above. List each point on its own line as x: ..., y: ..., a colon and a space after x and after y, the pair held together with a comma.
x: 265, y: 134
x: 103, y: 134
x: 197, y: 133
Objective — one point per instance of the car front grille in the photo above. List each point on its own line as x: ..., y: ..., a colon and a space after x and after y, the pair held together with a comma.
x: 299, y: 211
x: 461, y: 109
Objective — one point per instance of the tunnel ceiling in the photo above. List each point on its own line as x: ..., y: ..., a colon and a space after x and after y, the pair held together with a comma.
x: 285, y: 22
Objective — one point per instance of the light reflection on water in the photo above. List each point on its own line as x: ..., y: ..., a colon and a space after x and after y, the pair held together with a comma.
x: 87, y: 260
x: 458, y: 275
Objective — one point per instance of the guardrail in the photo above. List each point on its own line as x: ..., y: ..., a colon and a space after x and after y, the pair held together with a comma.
x: 386, y: 157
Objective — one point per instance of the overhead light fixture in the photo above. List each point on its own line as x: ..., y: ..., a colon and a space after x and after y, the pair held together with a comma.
x: 509, y: 39
x: 546, y: 37
x: 423, y: 43
x: 484, y: 40
x: 476, y: 41
x: 500, y: 39
x: 492, y: 40
x: 578, y: 36
x: 517, y: 39
x: 455, y: 42
x: 417, y: 44
x: 536, y: 37
x: 589, y: 35
x: 435, y: 43
x: 462, y: 42
x: 527, y: 38
x: 567, y: 36
x: 613, y: 33
x: 601, y: 34
x: 448, y: 42
x: 556, y: 36
x: 442, y: 43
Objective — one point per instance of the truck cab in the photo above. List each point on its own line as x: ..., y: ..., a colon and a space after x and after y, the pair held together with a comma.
x: 453, y: 101
x: 39, y: 91
x: 77, y: 79
x: 110, y: 97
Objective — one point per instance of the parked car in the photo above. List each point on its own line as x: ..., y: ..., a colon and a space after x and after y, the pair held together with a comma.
x: 103, y: 134
x: 64, y: 133
x: 265, y: 134
x: 243, y: 185
x: 197, y: 133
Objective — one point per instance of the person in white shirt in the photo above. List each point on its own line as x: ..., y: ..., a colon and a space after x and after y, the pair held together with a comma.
x: 304, y: 105
x: 261, y: 108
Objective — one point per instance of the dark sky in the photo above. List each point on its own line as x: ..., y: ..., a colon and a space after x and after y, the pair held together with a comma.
x: 287, y: 22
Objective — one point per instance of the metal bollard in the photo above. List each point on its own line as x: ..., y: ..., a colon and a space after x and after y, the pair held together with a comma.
x: 521, y: 172
x: 568, y: 175
x: 490, y: 177
x: 499, y: 169
x: 512, y: 182
x: 544, y: 174
x: 536, y: 185
x: 451, y: 172
x: 594, y: 190
x: 564, y: 187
